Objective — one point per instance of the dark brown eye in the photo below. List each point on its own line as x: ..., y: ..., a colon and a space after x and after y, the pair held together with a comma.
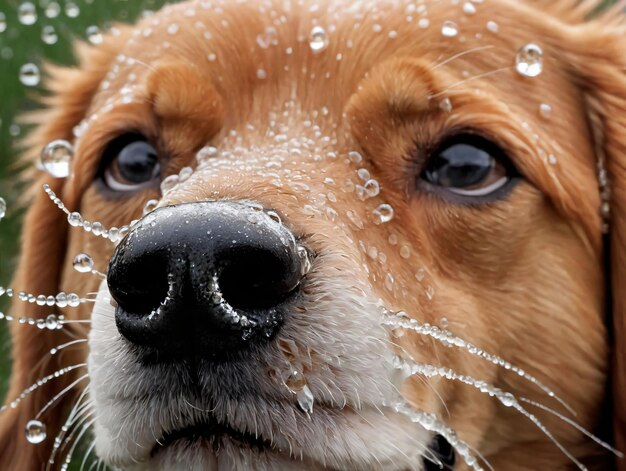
x: 469, y: 166
x: 130, y: 163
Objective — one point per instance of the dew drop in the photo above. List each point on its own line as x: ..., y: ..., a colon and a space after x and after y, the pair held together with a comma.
x: 150, y: 206
x: 469, y: 8
x: 545, y: 110
x: 445, y: 105
x: 27, y: 13
x: 83, y: 263
x: 305, y: 399
x: 529, y: 60
x: 30, y: 76
x: 318, y: 39
x: 449, y: 29
x: 56, y: 158
x: 94, y: 36
x: 261, y: 74
x: 52, y: 322
x: 49, y: 35
x: 75, y: 219
x: 493, y: 26
x: 35, y: 432
x: 296, y: 381
x: 3, y: 208
x: 383, y: 214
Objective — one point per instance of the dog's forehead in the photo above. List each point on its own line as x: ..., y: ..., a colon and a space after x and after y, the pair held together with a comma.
x: 320, y: 52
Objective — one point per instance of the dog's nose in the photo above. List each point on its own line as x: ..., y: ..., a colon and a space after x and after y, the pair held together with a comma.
x: 205, y: 278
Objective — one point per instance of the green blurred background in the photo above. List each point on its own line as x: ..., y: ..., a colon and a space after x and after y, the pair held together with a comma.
x: 49, y: 37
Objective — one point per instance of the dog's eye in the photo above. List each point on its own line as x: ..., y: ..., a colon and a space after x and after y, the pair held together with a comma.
x: 130, y: 163
x: 468, y: 166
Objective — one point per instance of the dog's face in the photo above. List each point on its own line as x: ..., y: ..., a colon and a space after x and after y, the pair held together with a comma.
x: 320, y: 168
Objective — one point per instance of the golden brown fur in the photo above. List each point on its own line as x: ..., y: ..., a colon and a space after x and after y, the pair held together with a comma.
x: 524, y: 278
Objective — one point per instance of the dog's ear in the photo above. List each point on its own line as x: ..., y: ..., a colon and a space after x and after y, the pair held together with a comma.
x: 43, y: 252
x: 599, y: 60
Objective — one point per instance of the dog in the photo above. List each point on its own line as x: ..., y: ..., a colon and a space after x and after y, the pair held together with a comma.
x: 378, y: 235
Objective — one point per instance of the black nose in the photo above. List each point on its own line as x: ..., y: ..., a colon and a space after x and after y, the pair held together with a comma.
x: 204, y: 278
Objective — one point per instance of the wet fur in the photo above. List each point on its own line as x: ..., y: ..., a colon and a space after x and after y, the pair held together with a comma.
x: 537, y: 296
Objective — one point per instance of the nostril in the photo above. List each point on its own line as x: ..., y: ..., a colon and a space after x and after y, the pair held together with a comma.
x: 139, y: 284
x: 253, y: 279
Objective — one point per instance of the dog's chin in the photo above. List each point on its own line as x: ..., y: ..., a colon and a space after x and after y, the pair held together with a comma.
x: 221, y: 451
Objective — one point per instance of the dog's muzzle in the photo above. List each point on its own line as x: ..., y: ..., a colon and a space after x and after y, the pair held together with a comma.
x: 205, y: 279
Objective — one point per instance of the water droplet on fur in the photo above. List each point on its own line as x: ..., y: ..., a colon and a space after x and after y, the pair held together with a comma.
x: 75, y: 219
x: 30, y: 76
x: 261, y: 74
x: 318, y: 39
x: 445, y: 105
x: 83, y: 263
x: 449, y: 29
x: 296, y: 381
x: 493, y: 26
x: 383, y: 214
x: 305, y: 399
x: 469, y: 8
x: 545, y: 111
x: 305, y: 260
x: 56, y: 158
x: 3, y: 208
x: 27, y: 13
x: 529, y: 60
x: 35, y: 432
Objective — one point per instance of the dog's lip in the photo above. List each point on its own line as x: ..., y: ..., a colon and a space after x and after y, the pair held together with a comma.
x: 211, y: 430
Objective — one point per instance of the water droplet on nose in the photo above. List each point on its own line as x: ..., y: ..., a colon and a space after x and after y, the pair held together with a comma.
x: 529, y: 60
x: 30, y: 76
x: 27, y: 13
x: 56, y: 158
x: 3, y: 208
x: 318, y: 39
x: 449, y: 29
x: 150, y: 206
x: 35, y: 432
x: 83, y: 263
x: 274, y: 216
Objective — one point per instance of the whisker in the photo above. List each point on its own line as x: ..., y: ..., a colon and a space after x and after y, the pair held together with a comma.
x: 83, y: 430
x: 569, y: 421
x: 77, y: 411
x: 470, y: 79
x: 506, y: 398
x: 61, y: 299
x: 60, y: 395
x: 57, y: 349
x: 75, y: 219
x: 403, y: 321
x: 431, y: 423
x: 462, y: 54
x: 40, y: 383
x: 87, y: 453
